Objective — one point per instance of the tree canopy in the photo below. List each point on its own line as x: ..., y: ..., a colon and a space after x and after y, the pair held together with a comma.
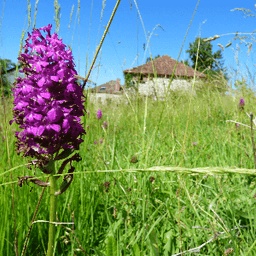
x: 149, y: 59
x: 209, y: 62
x: 6, y: 67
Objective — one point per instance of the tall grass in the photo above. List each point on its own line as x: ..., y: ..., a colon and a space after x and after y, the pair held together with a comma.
x: 199, y: 197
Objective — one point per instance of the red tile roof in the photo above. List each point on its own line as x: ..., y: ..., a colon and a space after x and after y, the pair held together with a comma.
x: 164, y: 66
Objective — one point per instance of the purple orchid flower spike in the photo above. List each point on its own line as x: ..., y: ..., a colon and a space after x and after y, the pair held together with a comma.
x: 49, y: 119
x: 241, y: 104
x: 105, y: 124
x: 48, y: 104
x: 99, y: 114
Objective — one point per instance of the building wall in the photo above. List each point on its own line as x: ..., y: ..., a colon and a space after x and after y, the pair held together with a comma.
x: 158, y: 87
x: 11, y: 76
x: 104, y: 98
x: 149, y: 88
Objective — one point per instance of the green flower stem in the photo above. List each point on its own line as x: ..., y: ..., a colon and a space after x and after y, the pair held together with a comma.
x: 53, y: 205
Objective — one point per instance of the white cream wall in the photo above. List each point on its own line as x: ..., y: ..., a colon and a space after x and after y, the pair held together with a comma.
x: 159, y: 87
x: 149, y: 88
x: 104, y: 97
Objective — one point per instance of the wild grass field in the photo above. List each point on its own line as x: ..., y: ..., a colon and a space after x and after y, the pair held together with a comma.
x: 156, y: 178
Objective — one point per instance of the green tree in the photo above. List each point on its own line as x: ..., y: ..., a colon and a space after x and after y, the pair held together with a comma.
x: 185, y: 62
x: 128, y: 77
x: 207, y: 59
x: 209, y: 62
x: 6, y: 67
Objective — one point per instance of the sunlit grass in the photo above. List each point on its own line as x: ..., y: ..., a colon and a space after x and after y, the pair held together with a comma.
x: 131, y: 204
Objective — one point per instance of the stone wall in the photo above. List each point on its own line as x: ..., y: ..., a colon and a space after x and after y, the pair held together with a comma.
x: 104, y: 98
x: 158, y: 87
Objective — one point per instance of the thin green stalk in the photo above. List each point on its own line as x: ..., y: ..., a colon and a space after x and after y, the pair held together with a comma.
x: 33, y: 219
x: 9, y: 161
x: 184, y: 140
x: 253, y: 144
x: 29, y: 15
x: 165, y: 101
x: 57, y: 15
x: 101, y: 42
x: 53, y: 205
x: 34, y: 24
x: 70, y: 19
x: 89, y: 38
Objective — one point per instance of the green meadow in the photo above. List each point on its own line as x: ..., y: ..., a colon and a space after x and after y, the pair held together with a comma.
x: 172, y: 177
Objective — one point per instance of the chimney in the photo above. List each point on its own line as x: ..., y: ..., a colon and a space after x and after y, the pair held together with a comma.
x: 117, y: 85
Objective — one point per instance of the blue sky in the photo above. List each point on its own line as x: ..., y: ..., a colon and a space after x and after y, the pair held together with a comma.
x: 126, y: 38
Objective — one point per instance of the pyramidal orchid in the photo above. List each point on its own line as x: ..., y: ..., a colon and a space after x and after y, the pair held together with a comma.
x: 241, y: 104
x: 99, y: 114
x: 105, y: 124
x: 47, y: 105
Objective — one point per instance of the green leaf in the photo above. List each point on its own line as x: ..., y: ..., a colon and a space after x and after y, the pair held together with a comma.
x: 136, y: 250
x: 99, y: 253
x: 111, y: 247
x: 167, y: 240
x: 245, y: 215
x: 153, y: 244
x: 65, y: 184
x: 64, y: 154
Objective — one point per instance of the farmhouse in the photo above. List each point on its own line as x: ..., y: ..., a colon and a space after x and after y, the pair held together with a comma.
x: 108, y: 92
x: 112, y: 87
x: 163, y: 67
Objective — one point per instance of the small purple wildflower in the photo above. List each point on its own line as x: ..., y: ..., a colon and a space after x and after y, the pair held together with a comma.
x: 99, y: 114
x: 95, y: 142
x: 3, y: 139
x: 237, y: 126
x: 87, y: 126
x: 241, y: 104
x: 105, y: 124
x: 88, y: 113
x: 101, y: 141
x: 194, y: 143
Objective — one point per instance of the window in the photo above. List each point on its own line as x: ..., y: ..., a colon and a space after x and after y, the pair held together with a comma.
x: 102, y: 88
